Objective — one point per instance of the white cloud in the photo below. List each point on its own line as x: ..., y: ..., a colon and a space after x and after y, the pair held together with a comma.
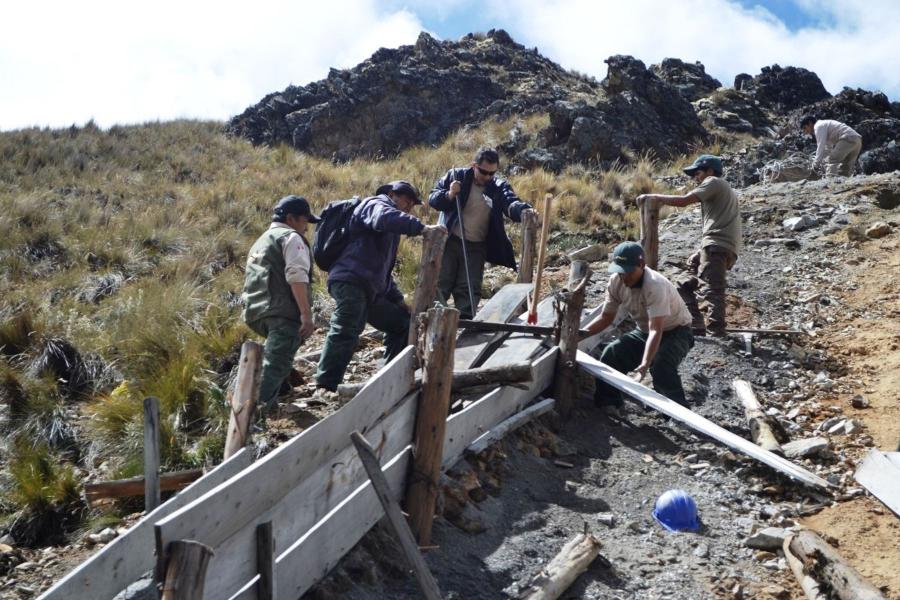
x: 856, y: 46
x: 124, y: 62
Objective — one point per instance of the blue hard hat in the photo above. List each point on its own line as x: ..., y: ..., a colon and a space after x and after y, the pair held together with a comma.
x: 676, y: 511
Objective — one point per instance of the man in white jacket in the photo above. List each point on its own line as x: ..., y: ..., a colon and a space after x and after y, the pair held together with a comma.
x: 837, y: 145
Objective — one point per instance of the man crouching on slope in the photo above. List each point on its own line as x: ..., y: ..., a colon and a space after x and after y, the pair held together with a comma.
x: 663, y: 337
x: 276, y: 294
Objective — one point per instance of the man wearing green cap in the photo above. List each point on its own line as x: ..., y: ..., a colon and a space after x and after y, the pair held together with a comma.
x: 720, y: 241
x: 663, y: 336
x: 276, y: 294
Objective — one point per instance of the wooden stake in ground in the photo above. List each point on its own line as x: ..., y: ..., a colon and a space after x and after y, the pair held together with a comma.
x: 760, y: 430
x: 573, y: 560
x: 433, y: 241
x: 244, y: 398
x: 542, y: 253
x: 395, y: 518
x: 809, y: 585
x: 529, y: 237
x: 650, y: 233
x: 832, y: 572
x: 151, y: 454
x: 186, y: 570
x: 431, y: 419
x: 565, y: 387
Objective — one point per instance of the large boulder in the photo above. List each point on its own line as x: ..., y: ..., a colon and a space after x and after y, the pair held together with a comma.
x: 690, y: 79
x: 636, y: 112
x: 785, y: 88
x: 410, y: 95
x: 734, y: 110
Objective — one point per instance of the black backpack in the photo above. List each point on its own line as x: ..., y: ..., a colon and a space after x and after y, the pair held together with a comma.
x: 333, y: 232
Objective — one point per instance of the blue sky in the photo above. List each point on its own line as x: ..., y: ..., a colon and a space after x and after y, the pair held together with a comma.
x: 122, y: 62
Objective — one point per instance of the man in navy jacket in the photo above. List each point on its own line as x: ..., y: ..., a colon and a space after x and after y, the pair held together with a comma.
x: 361, y: 280
x: 484, y: 200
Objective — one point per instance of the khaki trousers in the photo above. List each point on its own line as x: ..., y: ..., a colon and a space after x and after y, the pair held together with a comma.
x: 843, y: 157
x: 708, y: 268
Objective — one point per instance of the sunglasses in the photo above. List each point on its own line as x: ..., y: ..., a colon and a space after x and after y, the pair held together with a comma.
x: 486, y: 173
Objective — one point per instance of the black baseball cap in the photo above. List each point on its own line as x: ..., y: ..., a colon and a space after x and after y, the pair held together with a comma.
x: 293, y: 205
x: 705, y: 161
x: 400, y: 187
x: 626, y: 257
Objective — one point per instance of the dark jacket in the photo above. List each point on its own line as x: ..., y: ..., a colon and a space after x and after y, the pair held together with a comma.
x: 503, y: 202
x: 368, y: 260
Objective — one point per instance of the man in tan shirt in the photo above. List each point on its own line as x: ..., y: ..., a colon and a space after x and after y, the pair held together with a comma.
x: 837, y: 145
x: 720, y: 241
x: 663, y: 336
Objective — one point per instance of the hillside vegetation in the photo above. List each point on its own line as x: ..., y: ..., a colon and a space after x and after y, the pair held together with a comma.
x: 121, y: 264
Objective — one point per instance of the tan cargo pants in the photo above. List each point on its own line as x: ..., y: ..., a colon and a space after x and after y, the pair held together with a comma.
x: 843, y: 157
x: 708, y: 269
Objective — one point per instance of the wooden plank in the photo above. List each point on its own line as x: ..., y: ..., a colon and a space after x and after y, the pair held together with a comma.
x: 519, y: 347
x: 881, y: 476
x: 310, y: 500
x: 894, y: 457
x: 480, y: 416
x: 504, y: 305
x: 134, y: 486
x: 128, y: 557
x: 244, y: 398
x: 431, y: 419
x: 228, y: 508
x: 310, y: 558
x: 151, y: 454
x: 504, y: 428
x: 395, y: 518
x: 695, y: 421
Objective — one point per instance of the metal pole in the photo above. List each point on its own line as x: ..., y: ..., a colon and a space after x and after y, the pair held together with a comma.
x: 462, y: 235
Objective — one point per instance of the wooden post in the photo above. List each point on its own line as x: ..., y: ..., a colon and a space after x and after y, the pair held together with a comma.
x: 431, y: 419
x: 573, y: 560
x: 151, y: 454
x: 827, y: 567
x: 135, y: 486
x: 565, y: 387
x: 529, y: 238
x: 186, y: 570
x: 542, y: 253
x: 395, y: 518
x: 433, y: 242
x: 760, y: 431
x: 265, y: 561
x: 650, y: 233
x: 809, y: 585
x: 244, y: 398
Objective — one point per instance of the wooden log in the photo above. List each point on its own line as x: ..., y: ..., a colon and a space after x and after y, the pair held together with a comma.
x: 504, y: 428
x: 395, y: 518
x: 566, y: 382
x: 536, y: 330
x: 462, y: 380
x: 561, y: 572
x: 431, y: 419
x: 433, y: 242
x: 265, y: 561
x: 151, y: 454
x: 760, y: 430
x: 134, y: 486
x: 529, y: 237
x: 244, y: 398
x: 650, y: 233
x: 670, y: 408
x: 833, y: 573
x: 186, y: 570
x: 542, y: 253
x: 809, y: 585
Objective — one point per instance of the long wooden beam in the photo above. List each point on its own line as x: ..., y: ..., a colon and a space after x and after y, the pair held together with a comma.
x: 134, y: 486
x: 694, y: 421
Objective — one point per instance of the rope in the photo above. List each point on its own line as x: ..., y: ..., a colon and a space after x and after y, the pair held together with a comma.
x: 776, y: 170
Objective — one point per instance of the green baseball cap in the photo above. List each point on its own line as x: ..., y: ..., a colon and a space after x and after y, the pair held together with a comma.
x: 705, y: 161
x: 626, y: 257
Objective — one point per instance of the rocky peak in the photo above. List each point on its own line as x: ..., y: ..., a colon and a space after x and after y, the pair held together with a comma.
x: 691, y: 79
x: 783, y: 89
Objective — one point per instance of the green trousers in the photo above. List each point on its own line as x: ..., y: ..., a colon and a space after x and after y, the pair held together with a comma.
x: 452, y: 279
x: 627, y: 352
x: 353, y: 309
x: 282, y: 340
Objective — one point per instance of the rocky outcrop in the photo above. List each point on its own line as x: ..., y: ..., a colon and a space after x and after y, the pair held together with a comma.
x: 636, y: 112
x: 411, y: 95
x: 733, y: 110
x: 690, y: 79
x: 783, y: 89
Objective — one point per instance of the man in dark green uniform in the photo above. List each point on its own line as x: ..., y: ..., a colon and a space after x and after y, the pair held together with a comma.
x: 276, y: 294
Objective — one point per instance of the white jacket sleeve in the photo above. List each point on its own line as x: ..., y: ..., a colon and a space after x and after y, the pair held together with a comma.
x: 296, y: 259
x: 821, y: 132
